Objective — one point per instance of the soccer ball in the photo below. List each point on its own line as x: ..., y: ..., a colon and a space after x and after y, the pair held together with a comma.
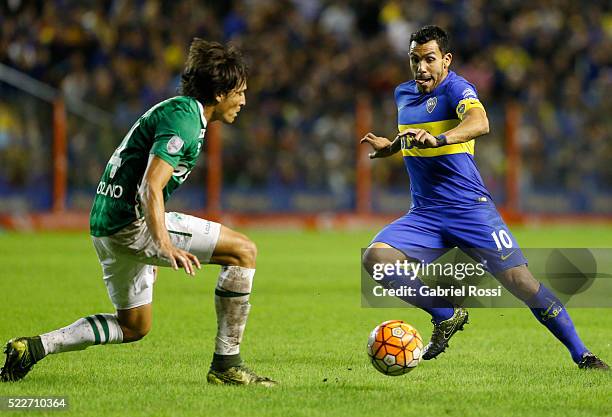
x: 395, y: 348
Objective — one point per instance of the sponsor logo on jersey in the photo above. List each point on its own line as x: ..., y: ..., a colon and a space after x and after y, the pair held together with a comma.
x: 109, y: 190
x: 431, y: 104
x: 174, y: 144
x: 468, y: 92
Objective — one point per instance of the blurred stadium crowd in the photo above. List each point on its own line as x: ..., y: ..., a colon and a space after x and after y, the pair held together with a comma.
x: 309, y: 61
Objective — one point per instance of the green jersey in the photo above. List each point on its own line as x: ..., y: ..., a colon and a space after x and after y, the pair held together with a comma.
x: 172, y: 130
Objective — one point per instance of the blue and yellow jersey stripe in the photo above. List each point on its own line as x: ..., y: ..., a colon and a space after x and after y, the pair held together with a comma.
x: 435, y: 128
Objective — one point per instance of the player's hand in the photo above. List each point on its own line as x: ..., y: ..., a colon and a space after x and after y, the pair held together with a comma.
x: 420, y: 138
x: 179, y: 258
x: 381, y: 145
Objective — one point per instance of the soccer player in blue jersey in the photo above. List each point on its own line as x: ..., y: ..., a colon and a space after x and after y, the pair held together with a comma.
x: 439, y: 116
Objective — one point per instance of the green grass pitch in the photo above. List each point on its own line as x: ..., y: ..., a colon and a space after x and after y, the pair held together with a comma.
x: 306, y: 329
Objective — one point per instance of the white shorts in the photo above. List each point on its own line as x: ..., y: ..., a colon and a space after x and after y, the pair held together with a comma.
x: 129, y: 256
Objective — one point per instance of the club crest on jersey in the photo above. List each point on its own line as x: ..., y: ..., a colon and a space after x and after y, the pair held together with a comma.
x: 431, y: 104
x: 174, y: 144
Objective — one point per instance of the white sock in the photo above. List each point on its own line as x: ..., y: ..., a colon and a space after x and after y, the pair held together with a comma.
x: 98, y: 329
x: 232, y: 306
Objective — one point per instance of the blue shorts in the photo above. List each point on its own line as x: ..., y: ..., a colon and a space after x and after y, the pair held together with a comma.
x: 478, y: 230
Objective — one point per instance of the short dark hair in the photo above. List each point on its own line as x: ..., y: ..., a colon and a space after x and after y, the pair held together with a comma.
x: 432, y: 33
x: 212, y: 69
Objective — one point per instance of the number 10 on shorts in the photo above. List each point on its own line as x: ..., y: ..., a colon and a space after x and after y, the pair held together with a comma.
x: 501, y: 237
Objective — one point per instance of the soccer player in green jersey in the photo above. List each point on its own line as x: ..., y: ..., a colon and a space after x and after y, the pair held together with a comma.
x: 133, y: 234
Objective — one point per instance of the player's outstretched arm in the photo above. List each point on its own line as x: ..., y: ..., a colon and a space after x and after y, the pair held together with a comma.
x: 151, y: 195
x: 382, y: 146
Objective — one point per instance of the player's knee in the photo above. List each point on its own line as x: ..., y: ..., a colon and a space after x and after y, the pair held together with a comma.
x: 246, y: 253
x: 380, y: 254
x: 133, y: 328
x: 371, y: 257
x: 135, y: 333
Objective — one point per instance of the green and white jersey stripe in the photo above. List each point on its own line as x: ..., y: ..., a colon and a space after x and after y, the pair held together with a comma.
x: 172, y: 130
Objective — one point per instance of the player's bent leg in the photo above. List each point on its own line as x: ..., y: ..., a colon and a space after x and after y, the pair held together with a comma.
x: 549, y: 311
x: 135, y: 322
x: 446, y: 318
x: 213, y: 243
x: 379, y: 254
x: 24, y: 352
x: 237, y: 254
x: 129, y: 285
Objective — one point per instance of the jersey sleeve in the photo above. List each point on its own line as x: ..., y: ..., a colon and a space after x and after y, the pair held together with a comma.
x: 175, y: 133
x: 463, y: 97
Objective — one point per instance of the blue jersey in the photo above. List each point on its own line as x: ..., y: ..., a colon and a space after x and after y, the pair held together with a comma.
x: 446, y: 175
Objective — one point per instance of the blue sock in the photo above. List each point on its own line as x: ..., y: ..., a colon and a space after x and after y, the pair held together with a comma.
x: 439, y: 308
x: 549, y: 311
